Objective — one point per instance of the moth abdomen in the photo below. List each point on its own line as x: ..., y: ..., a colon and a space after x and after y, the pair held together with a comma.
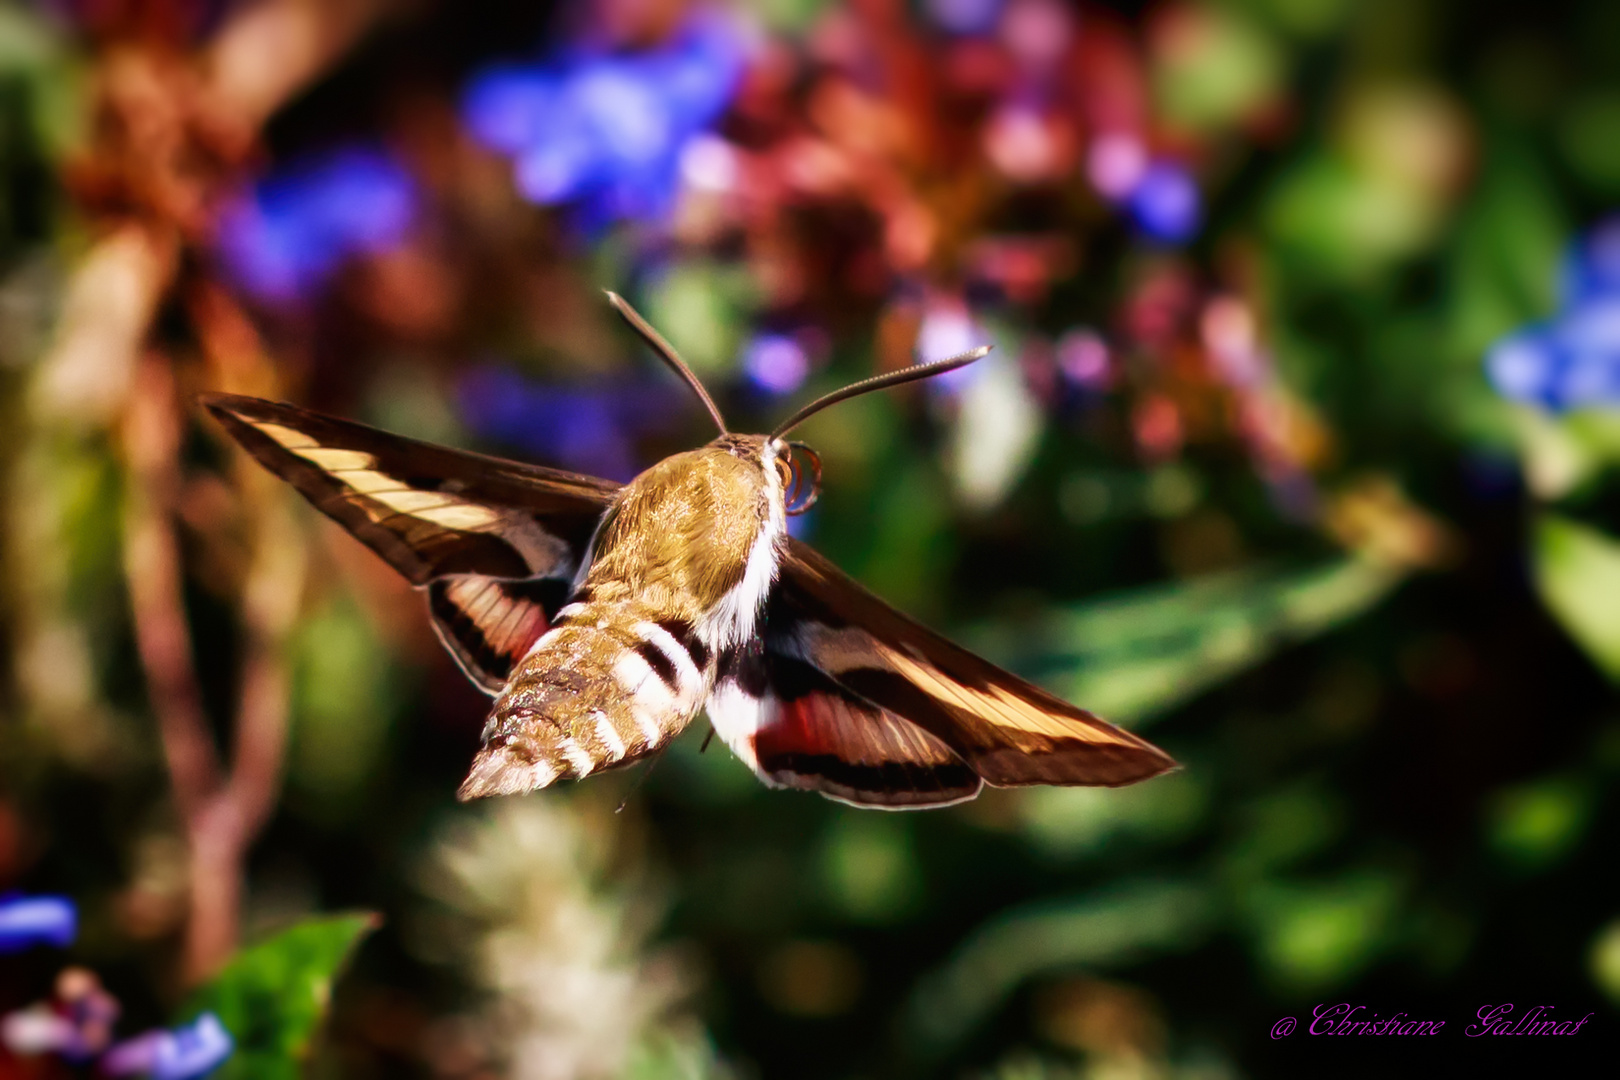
x: 605, y: 686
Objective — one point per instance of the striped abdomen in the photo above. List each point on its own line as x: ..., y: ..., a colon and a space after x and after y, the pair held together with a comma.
x: 606, y: 685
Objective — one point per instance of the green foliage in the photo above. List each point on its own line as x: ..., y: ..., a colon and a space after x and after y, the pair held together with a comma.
x: 869, y: 868
x: 1136, y: 655
x: 1281, y: 828
x: 1533, y: 825
x: 1605, y: 960
x: 1067, y: 823
x: 1115, y: 926
x: 1503, y: 264
x: 1217, y: 85
x: 272, y: 996
x: 345, y: 692
x: 1578, y: 574
x: 35, y: 61
x: 668, y: 1057
x: 1312, y: 934
x: 696, y: 305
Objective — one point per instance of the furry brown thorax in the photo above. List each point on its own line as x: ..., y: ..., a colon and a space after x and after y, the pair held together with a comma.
x: 680, y: 535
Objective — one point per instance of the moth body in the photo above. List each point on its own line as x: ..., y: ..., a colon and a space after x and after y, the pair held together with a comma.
x: 677, y: 576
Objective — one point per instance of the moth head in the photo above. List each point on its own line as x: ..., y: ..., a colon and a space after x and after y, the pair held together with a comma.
x: 791, y: 460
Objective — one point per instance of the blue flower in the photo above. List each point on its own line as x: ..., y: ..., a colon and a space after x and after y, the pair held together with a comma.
x: 1591, y: 269
x: 37, y: 920
x: 180, y: 1054
x: 587, y: 428
x: 605, y: 132
x: 1165, y: 204
x: 1571, y: 361
x: 300, y: 224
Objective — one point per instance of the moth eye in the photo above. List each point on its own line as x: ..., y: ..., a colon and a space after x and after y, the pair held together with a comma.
x: 799, y: 491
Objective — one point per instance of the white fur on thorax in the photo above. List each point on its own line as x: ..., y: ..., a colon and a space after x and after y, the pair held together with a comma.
x: 735, y: 619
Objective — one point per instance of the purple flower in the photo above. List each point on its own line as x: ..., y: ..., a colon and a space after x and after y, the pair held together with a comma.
x: 948, y: 329
x: 1116, y: 163
x: 1165, y: 204
x: 179, y: 1054
x: 300, y: 224
x: 776, y: 363
x: 77, y: 1025
x: 965, y: 16
x: 37, y: 920
x: 586, y: 428
x: 1083, y: 358
x: 605, y: 132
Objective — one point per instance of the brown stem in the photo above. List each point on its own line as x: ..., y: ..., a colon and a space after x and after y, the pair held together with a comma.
x: 222, y: 813
x: 269, y: 608
x: 218, y: 840
x: 214, y: 829
x: 152, y: 568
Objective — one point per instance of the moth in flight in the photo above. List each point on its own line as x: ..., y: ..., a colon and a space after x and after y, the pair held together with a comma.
x: 603, y: 618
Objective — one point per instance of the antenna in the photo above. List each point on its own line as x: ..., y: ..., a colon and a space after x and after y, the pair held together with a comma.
x: 878, y: 382
x: 667, y: 351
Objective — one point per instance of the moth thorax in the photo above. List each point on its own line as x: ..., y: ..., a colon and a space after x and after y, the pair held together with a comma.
x: 700, y: 532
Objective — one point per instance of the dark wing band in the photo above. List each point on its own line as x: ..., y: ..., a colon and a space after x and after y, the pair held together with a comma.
x: 1009, y: 731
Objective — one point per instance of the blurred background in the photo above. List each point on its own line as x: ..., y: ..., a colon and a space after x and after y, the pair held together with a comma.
x: 1296, y: 454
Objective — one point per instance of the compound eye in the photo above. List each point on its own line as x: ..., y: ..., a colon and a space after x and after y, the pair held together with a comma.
x: 800, y: 491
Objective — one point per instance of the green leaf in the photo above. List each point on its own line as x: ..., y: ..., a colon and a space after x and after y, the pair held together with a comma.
x: 344, y: 693
x: 699, y: 306
x: 272, y: 996
x: 1578, y: 575
x: 1341, y: 221
x: 1118, y: 926
x: 1534, y: 825
x: 1319, y: 933
x: 1236, y: 67
x: 1503, y: 268
x: 1141, y: 653
x: 1604, y: 960
x: 868, y: 868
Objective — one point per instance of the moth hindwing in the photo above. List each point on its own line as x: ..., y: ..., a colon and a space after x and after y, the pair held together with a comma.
x: 604, y: 618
